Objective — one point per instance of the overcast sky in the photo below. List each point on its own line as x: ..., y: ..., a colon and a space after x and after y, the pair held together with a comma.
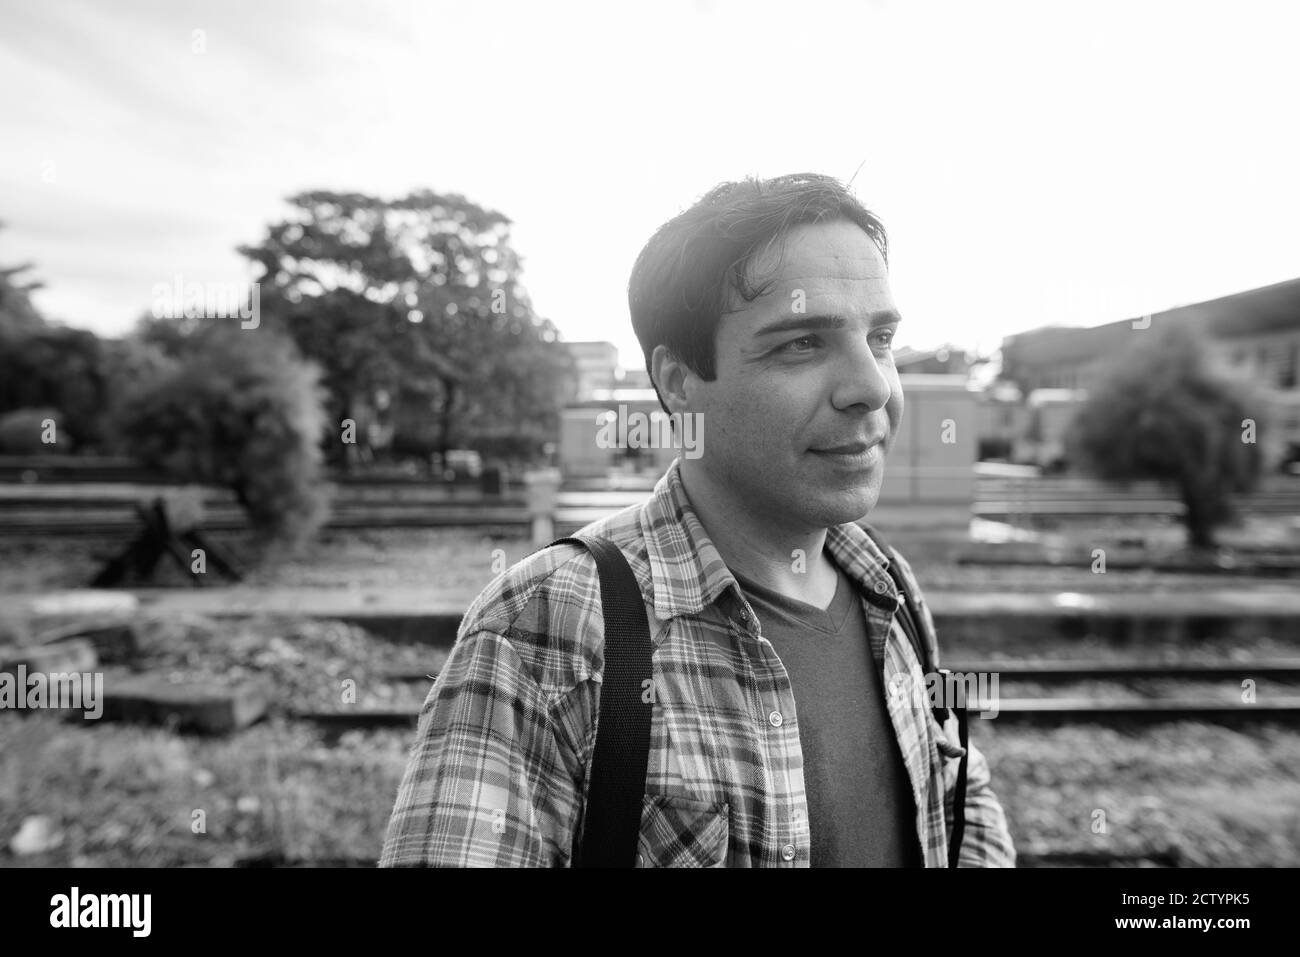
x: 1037, y: 163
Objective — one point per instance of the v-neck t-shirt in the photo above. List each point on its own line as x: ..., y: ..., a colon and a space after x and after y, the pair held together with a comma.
x: 861, y: 812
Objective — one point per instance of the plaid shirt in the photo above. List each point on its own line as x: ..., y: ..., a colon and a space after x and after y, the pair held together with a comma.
x: 498, y: 771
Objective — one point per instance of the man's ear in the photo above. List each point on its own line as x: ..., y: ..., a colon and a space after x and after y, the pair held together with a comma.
x: 670, y: 375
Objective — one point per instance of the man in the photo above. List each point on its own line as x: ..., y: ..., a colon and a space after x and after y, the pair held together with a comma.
x: 765, y: 311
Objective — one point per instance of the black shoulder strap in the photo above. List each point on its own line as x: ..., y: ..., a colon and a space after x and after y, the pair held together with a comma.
x: 611, y: 820
x: 910, y: 618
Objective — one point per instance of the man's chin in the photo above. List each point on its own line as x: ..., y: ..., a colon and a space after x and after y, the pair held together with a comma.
x: 848, y: 505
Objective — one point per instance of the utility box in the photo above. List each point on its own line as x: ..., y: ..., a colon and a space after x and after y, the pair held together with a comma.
x: 934, y: 454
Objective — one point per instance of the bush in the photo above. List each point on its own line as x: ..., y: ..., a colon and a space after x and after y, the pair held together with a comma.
x: 59, y: 368
x: 239, y: 409
x: 1165, y: 415
x: 21, y: 431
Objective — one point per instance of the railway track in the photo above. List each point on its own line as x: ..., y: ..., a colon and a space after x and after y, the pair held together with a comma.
x: 72, y: 498
x: 1021, y: 711
x: 1131, y: 710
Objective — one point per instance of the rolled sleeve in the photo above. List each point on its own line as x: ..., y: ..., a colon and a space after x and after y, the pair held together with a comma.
x: 486, y: 783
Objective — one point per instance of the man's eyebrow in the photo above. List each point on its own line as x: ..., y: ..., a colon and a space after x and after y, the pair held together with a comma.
x: 826, y: 321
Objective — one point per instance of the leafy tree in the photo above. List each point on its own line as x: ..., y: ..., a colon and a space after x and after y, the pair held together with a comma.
x: 416, y: 305
x: 17, y: 314
x: 49, y: 369
x: 47, y: 366
x: 1165, y: 415
x: 238, y: 408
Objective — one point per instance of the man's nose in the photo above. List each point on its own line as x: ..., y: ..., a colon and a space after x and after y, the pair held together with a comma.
x: 859, y: 379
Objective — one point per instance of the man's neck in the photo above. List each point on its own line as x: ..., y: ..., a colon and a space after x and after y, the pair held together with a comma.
x: 762, y: 548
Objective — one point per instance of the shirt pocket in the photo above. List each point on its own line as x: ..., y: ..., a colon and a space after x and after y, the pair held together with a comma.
x: 682, y: 832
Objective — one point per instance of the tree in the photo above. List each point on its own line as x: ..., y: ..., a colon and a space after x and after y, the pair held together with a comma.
x: 17, y: 314
x: 49, y: 367
x: 416, y: 306
x: 1163, y: 414
x: 238, y: 408
x: 67, y: 374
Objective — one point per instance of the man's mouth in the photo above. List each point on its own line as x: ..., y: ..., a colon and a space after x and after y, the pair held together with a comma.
x: 851, y: 453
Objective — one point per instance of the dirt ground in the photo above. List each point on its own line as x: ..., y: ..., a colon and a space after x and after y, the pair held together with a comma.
x: 110, y: 794
x: 119, y: 795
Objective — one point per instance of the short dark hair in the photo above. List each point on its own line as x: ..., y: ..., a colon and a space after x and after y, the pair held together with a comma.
x: 684, y: 279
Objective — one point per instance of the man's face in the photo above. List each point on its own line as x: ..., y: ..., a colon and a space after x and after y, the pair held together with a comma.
x: 806, y: 401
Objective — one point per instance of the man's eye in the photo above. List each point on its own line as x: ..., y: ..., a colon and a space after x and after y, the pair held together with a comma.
x: 802, y: 344
x: 887, y: 340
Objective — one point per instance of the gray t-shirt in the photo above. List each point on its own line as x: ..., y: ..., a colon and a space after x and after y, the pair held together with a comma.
x: 861, y: 812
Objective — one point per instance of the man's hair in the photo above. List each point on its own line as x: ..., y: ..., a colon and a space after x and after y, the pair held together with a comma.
x: 685, y: 278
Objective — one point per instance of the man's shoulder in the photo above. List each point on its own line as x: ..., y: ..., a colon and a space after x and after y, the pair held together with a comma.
x: 905, y: 572
x: 930, y: 634
x: 547, y: 605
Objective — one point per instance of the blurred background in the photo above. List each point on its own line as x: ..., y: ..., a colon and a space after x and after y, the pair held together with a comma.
x: 313, y: 320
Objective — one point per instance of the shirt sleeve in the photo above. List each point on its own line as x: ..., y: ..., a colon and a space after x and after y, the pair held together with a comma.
x: 986, y: 841
x: 486, y: 783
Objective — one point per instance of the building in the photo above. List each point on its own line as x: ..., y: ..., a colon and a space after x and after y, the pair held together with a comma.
x: 1252, y: 336
x: 945, y: 360
x: 1048, y: 415
x: 635, y: 379
x: 595, y: 367
x: 594, y: 435
x: 1002, y: 419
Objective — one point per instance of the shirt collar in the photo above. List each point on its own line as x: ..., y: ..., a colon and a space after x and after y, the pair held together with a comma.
x: 688, y: 574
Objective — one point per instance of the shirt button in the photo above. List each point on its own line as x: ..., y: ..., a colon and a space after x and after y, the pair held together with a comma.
x: 787, y: 853
x: 881, y: 588
x: 775, y: 719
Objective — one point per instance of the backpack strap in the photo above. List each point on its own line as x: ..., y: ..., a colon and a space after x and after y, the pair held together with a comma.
x: 611, y: 823
x: 911, y: 620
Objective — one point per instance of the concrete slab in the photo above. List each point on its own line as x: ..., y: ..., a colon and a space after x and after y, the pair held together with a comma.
x: 205, y: 707
x: 66, y: 656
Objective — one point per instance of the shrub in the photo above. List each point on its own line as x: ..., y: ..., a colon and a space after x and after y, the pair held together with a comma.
x: 1164, y: 414
x: 21, y: 430
x: 239, y: 409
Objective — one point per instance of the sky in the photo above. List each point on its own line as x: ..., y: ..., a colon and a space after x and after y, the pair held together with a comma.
x: 1035, y: 164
